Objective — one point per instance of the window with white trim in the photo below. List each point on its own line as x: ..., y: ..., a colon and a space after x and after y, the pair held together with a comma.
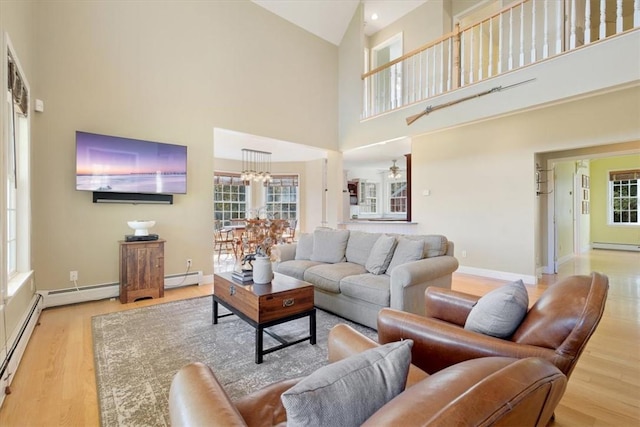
x: 17, y: 208
x: 230, y: 197
x: 398, y: 197
x: 281, y: 196
x: 368, y: 197
x: 623, y: 190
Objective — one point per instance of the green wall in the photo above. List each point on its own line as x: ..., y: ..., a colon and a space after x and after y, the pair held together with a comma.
x: 601, y: 230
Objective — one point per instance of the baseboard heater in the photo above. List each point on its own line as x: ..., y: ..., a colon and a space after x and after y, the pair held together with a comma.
x: 18, y: 342
x: 110, y: 290
x: 616, y: 246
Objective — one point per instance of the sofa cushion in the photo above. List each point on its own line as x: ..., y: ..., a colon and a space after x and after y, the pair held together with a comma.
x: 499, y: 312
x: 304, y: 247
x: 349, y: 391
x: 407, y: 250
x: 329, y: 245
x: 359, y: 246
x: 434, y: 244
x: 381, y: 254
x: 327, y: 276
x: 295, y: 268
x: 368, y: 287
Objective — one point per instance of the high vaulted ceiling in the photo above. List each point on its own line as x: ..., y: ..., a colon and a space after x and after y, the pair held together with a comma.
x: 329, y: 19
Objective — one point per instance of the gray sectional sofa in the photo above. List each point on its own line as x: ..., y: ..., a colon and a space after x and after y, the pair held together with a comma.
x: 356, y: 273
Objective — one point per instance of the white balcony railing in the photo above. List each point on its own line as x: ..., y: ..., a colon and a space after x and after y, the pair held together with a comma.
x: 520, y: 34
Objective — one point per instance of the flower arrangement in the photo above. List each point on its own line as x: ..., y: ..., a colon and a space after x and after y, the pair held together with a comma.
x: 262, y: 235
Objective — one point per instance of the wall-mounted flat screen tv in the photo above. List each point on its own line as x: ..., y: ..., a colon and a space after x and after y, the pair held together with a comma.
x: 123, y: 165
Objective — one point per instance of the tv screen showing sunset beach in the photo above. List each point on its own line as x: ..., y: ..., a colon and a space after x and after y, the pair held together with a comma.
x: 124, y: 165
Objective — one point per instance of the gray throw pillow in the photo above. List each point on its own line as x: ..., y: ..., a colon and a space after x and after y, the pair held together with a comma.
x: 407, y: 250
x: 329, y: 245
x: 348, y: 392
x: 304, y: 247
x: 499, y: 312
x: 381, y: 254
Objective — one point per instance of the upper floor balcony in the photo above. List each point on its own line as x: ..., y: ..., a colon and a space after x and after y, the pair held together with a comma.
x: 518, y: 36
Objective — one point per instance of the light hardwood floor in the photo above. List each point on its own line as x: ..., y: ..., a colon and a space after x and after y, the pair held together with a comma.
x: 55, y: 385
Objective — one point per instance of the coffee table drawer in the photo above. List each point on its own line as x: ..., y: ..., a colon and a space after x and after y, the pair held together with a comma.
x: 283, y: 304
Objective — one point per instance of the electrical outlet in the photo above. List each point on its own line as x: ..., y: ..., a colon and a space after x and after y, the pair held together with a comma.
x: 188, y: 262
x: 464, y: 254
x: 73, y: 276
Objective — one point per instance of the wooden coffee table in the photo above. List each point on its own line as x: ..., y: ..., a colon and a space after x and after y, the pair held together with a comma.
x: 263, y: 306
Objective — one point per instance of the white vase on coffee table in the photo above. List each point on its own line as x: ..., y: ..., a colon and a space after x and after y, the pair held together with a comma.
x: 262, y: 270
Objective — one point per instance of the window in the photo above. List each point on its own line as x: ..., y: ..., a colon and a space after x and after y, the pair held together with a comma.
x: 230, y: 199
x: 282, y: 197
x: 623, y: 188
x: 398, y: 197
x: 368, y: 197
x: 17, y: 186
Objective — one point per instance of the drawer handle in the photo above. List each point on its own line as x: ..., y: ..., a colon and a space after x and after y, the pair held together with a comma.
x: 232, y: 290
x: 288, y: 302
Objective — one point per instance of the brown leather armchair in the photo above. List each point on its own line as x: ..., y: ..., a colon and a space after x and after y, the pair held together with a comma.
x: 488, y: 391
x: 556, y: 328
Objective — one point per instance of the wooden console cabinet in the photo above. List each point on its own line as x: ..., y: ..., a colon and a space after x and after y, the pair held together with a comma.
x: 141, y: 270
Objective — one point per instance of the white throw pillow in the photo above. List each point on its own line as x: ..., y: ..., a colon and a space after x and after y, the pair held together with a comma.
x: 407, y: 250
x: 304, y: 247
x: 499, y: 312
x: 381, y: 254
x: 329, y: 245
x: 346, y: 393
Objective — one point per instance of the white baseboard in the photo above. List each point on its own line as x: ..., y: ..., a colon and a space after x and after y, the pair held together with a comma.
x: 616, y: 246
x: 109, y: 290
x: 500, y: 275
x: 30, y: 322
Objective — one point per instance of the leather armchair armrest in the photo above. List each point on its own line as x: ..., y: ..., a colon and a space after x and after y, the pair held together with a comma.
x: 450, y: 306
x: 437, y: 344
x: 344, y: 341
x: 196, y: 398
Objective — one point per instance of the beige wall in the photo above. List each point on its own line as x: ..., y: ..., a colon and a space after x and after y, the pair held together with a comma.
x: 601, y: 230
x: 171, y: 72
x: 481, y: 176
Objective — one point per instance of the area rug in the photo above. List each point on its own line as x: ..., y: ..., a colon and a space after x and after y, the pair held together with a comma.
x: 137, y: 353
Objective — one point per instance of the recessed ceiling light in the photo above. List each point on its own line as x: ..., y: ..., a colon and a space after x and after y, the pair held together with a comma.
x: 374, y: 17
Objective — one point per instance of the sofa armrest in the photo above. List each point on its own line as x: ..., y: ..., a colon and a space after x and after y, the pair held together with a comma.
x: 437, y: 344
x: 344, y: 341
x: 409, y: 281
x: 196, y: 398
x: 448, y: 305
x: 287, y: 251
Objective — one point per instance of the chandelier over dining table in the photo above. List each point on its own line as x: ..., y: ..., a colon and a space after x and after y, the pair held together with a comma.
x: 256, y: 165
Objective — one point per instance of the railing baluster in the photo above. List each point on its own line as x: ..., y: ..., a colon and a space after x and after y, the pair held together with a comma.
x: 500, y: 44
x: 433, y: 70
x: 533, y: 31
x: 619, y: 19
x: 559, y: 36
x: 490, y: 64
x: 452, y: 70
x: 587, y: 22
x: 511, y: 37
x: 545, y: 43
x: 471, y: 56
x: 441, y: 79
x: 603, y: 19
x: 480, y: 53
x: 462, y: 56
x: 572, y: 26
x: 521, y: 35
